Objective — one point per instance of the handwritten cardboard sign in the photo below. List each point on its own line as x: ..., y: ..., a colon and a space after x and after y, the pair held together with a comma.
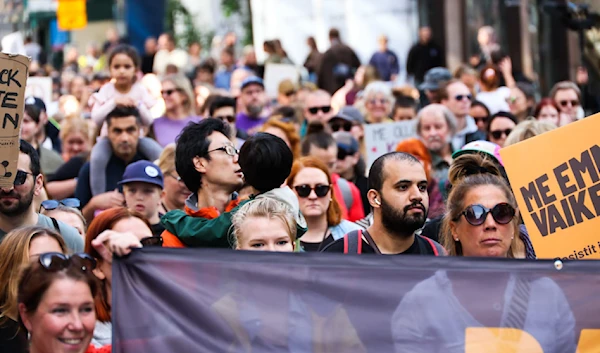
x: 13, y: 80
x: 39, y: 87
x: 557, y: 186
x: 383, y: 138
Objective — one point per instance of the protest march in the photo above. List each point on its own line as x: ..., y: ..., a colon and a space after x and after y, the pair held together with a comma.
x: 278, y: 176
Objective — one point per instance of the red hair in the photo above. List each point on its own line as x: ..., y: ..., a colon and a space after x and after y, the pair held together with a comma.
x: 417, y: 148
x: 334, y: 212
x: 544, y: 102
x: 104, y: 221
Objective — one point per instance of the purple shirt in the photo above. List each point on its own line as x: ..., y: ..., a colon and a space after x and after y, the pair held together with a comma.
x: 167, y: 130
x: 247, y: 123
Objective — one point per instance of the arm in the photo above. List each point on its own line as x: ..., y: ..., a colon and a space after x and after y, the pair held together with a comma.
x: 61, y: 189
x: 506, y: 68
x: 395, y: 65
x: 101, y: 110
x: 410, y: 64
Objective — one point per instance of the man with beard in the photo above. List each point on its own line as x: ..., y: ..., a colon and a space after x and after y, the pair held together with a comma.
x: 436, y: 125
x: 252, y: 102
x: 123, y: 124
x: 398, y: 195
x: 16, y: 206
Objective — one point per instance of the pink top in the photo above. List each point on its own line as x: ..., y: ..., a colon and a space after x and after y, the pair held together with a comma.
x: 103, y: 102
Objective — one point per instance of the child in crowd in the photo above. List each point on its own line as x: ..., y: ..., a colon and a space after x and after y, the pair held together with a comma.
x: 266, y: 162
x: 123, y: 63
x: 143, y: 183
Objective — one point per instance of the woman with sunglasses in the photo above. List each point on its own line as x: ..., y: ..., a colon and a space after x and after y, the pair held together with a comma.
x: 500, y: 126
x: 180, y: 110
x: 311, y: 181
x: 66, y: 211
x: 56, y: 303
x: 119, y: 220
x: 18, y: 248
x: 482, y: 220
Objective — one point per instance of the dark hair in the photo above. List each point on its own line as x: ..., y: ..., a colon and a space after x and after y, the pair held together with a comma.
x: 318, y: 137
x: 403, y: 101
x: 34, y: 165
x: 269, y: 46
x: 206, y: 65
x: 312, y: 43
x: 33, y: 111
x: 128, y: 50
x: 497, y: 56
x: 477, y: 103
x: 376, y: 174
x: 286, y: 113
x: 193, y: 141
x: 35, y: 281
x: 266, y: 161
x: 229, y: 51
x: 122, y: 111
x: 334, y: 33
x: 220, y: 102
x: 500, y: 114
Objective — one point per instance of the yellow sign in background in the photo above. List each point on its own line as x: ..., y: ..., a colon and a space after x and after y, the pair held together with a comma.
x: 71, y: 14
x: 556, y: 180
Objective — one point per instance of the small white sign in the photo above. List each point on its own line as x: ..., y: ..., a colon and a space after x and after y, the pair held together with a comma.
x: 383, y: 138
x: 40, y: 87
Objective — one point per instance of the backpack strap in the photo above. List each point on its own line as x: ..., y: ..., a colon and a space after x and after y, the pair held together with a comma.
x: 344, y: 187
x: 353, y: 242
x: 55, y: 223
x: 437, y: 248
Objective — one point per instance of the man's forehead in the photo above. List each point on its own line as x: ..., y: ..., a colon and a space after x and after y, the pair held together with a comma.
x: 24, y: 162
x: 123, y: 122
x: 395, y: 170
x: 317, y: 99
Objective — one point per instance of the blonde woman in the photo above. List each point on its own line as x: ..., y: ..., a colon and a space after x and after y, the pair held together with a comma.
x: 528, y: 129
x: 174, y: 192
x: 180, y: 108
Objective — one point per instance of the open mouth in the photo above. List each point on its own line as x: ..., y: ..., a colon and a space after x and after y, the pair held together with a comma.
x: 71, y: 341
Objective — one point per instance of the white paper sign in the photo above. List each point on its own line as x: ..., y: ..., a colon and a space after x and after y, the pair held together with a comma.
x: 383, y: 138
x: 39, y: 87
x: 275, y: 73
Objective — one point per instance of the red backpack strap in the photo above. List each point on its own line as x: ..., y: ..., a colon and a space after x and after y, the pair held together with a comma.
x: 359, y: 245
x: 353, y: 242
x: 346, y: 244
x: 433, y: 246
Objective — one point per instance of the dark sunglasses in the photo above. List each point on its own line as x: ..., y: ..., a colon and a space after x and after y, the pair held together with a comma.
x: 54, y: 261
x: 229, y: 118
x: 53, y: 204
x: 152, y: 241
x: 498, y: 133
x: 460, y: 97
x: 169, y: 92
x: 480, y: 120
x: 325, y: 109
x: 337, y: 126
x: 289, y: 94
x: 502, y: 213
x: 305, y: 190
x: 21, y: 177
x: 574, y: 103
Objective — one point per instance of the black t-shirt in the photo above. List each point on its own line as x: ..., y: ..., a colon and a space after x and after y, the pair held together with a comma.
x: 13, y: 339
x: 70, y: 169
x: 419, y: 247
x: 157, y: 229
x: 314, y: 247
x: 433, y: 229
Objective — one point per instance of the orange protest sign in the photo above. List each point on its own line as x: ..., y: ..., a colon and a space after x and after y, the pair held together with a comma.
x: 71, y: 14
x: 556, y: 180
x: 13, y: 80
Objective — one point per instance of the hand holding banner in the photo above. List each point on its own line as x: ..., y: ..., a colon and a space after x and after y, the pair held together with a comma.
x: 13, y: 80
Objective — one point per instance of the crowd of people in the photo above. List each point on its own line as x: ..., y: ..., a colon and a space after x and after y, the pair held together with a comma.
x: 179, y: 148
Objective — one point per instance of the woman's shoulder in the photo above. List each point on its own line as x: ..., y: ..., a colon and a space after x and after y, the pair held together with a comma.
x: 344, y: 228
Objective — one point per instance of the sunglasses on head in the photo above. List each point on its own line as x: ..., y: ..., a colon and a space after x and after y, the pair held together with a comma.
x: 305, y: 190
x: 325, y: 109
x: 54, y: 261
x: 502, y: 213
x: 498, y: 133
x: 564, y: 103
x: 460, y: 97
x: 229, y: 118
x: 53, y: 204
x: 337, y: 126
x: 168, y: 92
x: 152, y: 241
x: 21, y: 177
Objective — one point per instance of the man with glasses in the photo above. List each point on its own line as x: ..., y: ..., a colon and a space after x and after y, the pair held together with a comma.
x: 16, y: 203
x: 398, y: 195
x: 567, y: 97
x: 223, y: 108
x: 317, y: 107
x: 348, y: 119
x: 207, y: 162
x: 252, y: 101
x: 350, y: 166
x: 457, y: 97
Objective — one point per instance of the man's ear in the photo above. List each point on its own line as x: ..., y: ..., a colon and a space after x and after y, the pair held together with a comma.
x: 374, y: 198
x: 200, y: 164
x: 38, y: 185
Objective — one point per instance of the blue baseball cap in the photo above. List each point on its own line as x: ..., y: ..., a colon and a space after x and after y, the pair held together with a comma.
x: 143, y: 172
x: 252, y: 80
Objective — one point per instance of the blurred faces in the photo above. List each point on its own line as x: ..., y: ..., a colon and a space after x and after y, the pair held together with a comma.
x: 124, y: 134
x: 195, y: 49
x: 517, y: 102
x: 29, y: 129
x: 74, y: 144
x: 175, y: 190
x: 150, y: 46
x: 312, y: 206
x: 500, y: 128
x: 227, y: 114
x: 218, y: 167
x: 164, y: 43
x: 404, y: 113
x: 434, y: 130
x: 16, y: 200
x: 480, y: 115
x: 345, y: 166
x: 424, y: 35
x: 174, y: 98
x: 550, y: 114
x: 568, y: 102
x: 459, y: 99
x: 143, y: 198
x: 122, y: 70
x: 78, y: 87
x: 133, y: 225
x: 69, y: 218
x: 253, y: 99
x: 318, y: 107
x: 264, y: 234
x: 327, y: 156
x: 489, y: 239
x: 64, y: 319
x: 378, y: 107
x: 43, y: 244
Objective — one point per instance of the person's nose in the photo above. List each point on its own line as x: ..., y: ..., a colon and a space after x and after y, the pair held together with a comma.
x: 415, y: 194
x: 7, y: 190
x: 76, y: 324
x: 312, y: 195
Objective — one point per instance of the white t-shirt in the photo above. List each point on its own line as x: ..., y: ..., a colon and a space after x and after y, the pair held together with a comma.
x: 495, y: 101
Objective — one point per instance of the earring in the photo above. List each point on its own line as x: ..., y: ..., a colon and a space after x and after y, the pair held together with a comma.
x: 511, y: 238
x: 456, y: 239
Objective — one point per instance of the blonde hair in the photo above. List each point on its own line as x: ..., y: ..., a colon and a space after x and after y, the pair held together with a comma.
x: 528, y: 129
x: 74, y: 125
x: 14, y: 254
x: 263, y: 208
x: 166, y: 161
x: 184, y: 85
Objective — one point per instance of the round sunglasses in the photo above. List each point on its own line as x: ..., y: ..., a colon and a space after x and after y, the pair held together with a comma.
x: 55, y: 261
x: 502, y: 213
x: 305, y: 190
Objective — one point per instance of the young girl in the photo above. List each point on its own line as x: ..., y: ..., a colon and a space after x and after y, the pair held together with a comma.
x: 123, y: 63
